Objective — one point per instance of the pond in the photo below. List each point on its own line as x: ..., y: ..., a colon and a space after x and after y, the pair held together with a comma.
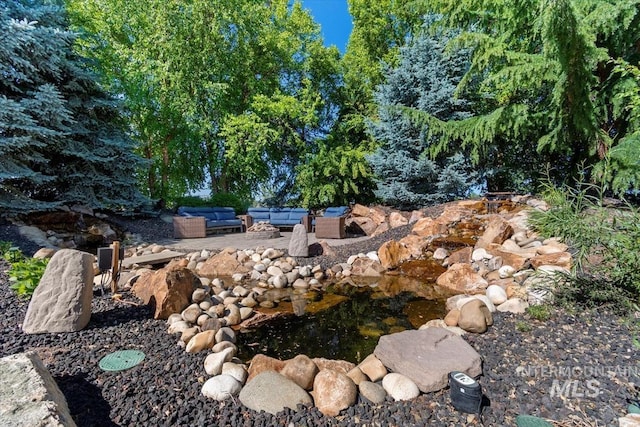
x: 344, y: 321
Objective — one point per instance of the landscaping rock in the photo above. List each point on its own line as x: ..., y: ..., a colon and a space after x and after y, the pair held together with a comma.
x: 62, y: 300
x: 427, y: 356
x: 271, y: 392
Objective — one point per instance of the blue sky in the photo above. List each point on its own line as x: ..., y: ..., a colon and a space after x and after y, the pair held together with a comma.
x: 333, y: 16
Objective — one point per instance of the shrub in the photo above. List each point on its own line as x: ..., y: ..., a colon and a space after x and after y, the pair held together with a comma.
x: 605, y: 242
x: 25, y: 273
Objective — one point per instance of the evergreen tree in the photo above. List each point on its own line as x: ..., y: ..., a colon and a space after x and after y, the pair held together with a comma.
x: 61, y: 139
x: 547, y: 77
x: 425, y: 79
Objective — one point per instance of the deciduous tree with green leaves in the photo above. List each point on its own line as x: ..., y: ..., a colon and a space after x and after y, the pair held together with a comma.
x: 61, y: 136
x: 208, y: 82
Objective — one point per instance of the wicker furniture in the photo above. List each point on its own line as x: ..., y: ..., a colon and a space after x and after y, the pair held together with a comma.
x: 189, y: 227
x: 330, y: 227
x: 216, y: 218
x: 331, y: 224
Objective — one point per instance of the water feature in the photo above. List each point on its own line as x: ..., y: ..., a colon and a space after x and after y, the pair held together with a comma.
x: 344, y: 321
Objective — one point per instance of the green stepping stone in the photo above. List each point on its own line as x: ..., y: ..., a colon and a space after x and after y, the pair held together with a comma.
x: 121, y: 360
x: 531, y: 421
x: 633, y: 409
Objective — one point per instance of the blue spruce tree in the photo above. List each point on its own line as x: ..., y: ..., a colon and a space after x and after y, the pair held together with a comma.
x: 62, y: 141
x: 425, y: 79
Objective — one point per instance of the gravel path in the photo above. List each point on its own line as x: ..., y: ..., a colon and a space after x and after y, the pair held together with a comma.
x: 577, y: 368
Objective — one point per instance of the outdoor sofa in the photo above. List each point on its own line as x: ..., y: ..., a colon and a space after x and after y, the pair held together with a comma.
x: 191, y: 222
x: 279, y: 217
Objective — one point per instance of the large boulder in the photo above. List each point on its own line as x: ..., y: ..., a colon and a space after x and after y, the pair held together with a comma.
x: 62, y: 300
x: 272, y: 392
x: 498, y: 230
x: 223, y: 264
x: 29, y: 396
x: 462, y: 279
x: 169, y: 290
x: 299, y: 243
x: 392, y: 254
x: 427, y: 356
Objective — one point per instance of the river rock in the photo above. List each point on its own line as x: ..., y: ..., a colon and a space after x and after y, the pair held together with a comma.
x: 373, y: 368
x: 62, y: 300
x: 496, y: 294
x: 475, y: 317
x: 400, y: 387
x: 513, y: 305
x: 427, y: 356
x: 373, y: 392
x: 221, y: 387
x: 236, y: 370
x: 213, y: 362
x: 201, y: 341
x: 333, y: 391
x: 271, y: 392
x: 302, y: 370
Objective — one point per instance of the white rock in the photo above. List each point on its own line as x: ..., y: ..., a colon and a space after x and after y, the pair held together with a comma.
x: 496, y: 294
x: 491, y: 306
x: 400, y: 387
x: 237, y: 277
x: 513, y: 305
x: 280, y: 281
x: 506, y: 271
x: 480, y: 254
x: 236, y: 370
x: 440, y: 254
x: 213, y: 362
x: 221, y: 387
x: 240, y: 291
x: 373, y: 255
x: 352, y: 259
x: 175, y: 317
x: 178, y: 327
x: 274, y: 271
x: 246, y: 312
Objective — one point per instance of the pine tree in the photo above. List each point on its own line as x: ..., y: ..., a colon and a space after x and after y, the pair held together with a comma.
x: 425, y: 79
x: 61, y: 137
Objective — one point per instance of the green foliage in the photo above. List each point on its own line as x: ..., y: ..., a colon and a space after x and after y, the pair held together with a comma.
x: 541, y: 312
x: 425, y: 79
x: 337, y: 175
x: 523, y: 326
x: 25, y: 273
x: 61, y: 136
x: 239, y: 204
x: 226, y: 94
x: 542, y: 79
x: 605, y: 242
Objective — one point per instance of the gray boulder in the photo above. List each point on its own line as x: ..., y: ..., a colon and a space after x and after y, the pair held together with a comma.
x: 271, y: 392
x: 62, y: 300
x: 299, y: 243
x: 29, y: 396
x: 427, y: 356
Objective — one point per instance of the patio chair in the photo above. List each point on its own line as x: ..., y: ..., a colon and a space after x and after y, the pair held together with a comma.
x: 331, y: 225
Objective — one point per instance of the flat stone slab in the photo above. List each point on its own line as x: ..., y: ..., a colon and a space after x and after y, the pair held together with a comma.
x: 159, y: 258
x: 427, y: 356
